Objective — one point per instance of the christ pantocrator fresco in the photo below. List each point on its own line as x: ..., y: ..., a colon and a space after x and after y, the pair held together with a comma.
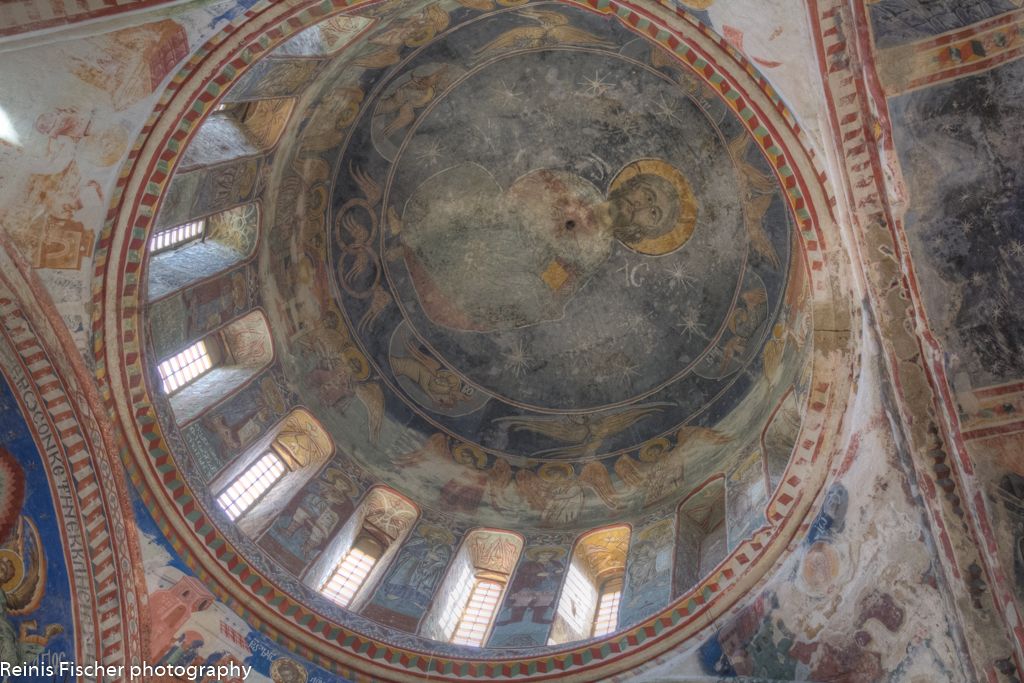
x: 485, y: 259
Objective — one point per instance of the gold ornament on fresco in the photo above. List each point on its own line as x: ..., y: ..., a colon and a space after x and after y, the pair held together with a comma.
x: 652, y: 173
x: 285, y: 670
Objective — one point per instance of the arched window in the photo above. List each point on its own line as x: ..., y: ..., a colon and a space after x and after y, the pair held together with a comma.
x: 589, y: 604
x: 209, y: 369
x: 467, y: 601
x: 361, y: 551
x: 700, y: 534
x: 236, y: 130
x: 325, y: 39
x: 200, y: 248
x: 262, y: 480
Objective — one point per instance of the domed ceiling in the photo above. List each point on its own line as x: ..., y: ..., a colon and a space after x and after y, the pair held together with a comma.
x: 549, y: 263
x: 529, y: 270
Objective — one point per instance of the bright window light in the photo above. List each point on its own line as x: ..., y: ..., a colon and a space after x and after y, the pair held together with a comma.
x: 577, y: 601
x: 179, y: 234
x: 480, y: 610
x: 251, y: 484
x: 607, y: 611
x: 185, y: 367
x: 450, y: 620
x: 348, y: 576
x: 7, y: 132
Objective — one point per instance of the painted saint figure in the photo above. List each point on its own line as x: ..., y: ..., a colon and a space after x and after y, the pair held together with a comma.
x: 485, y: 259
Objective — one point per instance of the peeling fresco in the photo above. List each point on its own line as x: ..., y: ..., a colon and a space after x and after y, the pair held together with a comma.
x: 900, y: 21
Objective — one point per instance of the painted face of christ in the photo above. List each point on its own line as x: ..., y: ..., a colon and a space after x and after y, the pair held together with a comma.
x: 644, y: 207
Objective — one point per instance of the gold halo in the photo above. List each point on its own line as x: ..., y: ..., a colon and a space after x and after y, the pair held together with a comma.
x: 352, y: 353
x: 281, y: 662
x: 654, y: 450
x: 557, y: 551
x: 465, y: 454
x: 553, y: 472
x: 678, y: 236
x: 19, y: 569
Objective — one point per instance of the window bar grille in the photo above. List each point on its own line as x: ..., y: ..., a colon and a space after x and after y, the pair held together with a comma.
x: 251, y: 484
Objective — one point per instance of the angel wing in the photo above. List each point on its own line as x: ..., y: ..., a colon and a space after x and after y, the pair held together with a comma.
x: 532, y: 489
x: 631, y: 472
x: 526, y: 36
x: 379, y: 301
x: 427, y: 361
x: 435, y: 447
x: 596, y: 477
x: 705, y: 434
x: 772, y: 356
x: 554, y: 427
x: 546, y: 18
x: 378, y: 59
x: 613, y: 424
x: 26, y: 596
x: 371, y: 190
x: 576, y: 36
x: 350, y: 224
x: 372, y: 397
x: 479, y: 5
x: 756, y: 207
x: 754, y: 297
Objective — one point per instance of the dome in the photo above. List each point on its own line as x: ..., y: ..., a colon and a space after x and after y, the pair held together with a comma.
x: 523, y: 291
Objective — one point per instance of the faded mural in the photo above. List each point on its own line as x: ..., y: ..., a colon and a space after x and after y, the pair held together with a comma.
x: 636, y: 281
x: 651, y: 319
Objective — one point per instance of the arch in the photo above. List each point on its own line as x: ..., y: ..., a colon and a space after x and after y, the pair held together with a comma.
x: 378, y: 528
x: 701, y: 541
x: 480, y: 569
x: 592, y: 588
x: 217, y: 242
x: 236, y: 130
x: 234, y: 355
x: 301, y: 444
x: 324, y: 39
x: 117, y: 309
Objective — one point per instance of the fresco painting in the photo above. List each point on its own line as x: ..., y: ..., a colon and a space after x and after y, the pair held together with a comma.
x: 34, y: 579
x: 408, y: 587
x: 198, y: 629
x: 418, y: 334
x: 963, y: 217
x: 648, y: 578
x: 963, y: 223
x: 530, y: 600
x: 308, y: 523
x: 896, y: 22
x: 654, y: 334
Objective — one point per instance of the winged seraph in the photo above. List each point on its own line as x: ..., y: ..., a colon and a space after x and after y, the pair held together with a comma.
x: 23, y: 581
x: 415, y: 31
x: 758, y: 192
x: 558, y: 494
x: 661, y: 476
x: 25, y: 548
x: 370, y: 188
x: 372, y: 397
x: 552, y: 29
x: 585, y: 433
x: 412, y: 95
